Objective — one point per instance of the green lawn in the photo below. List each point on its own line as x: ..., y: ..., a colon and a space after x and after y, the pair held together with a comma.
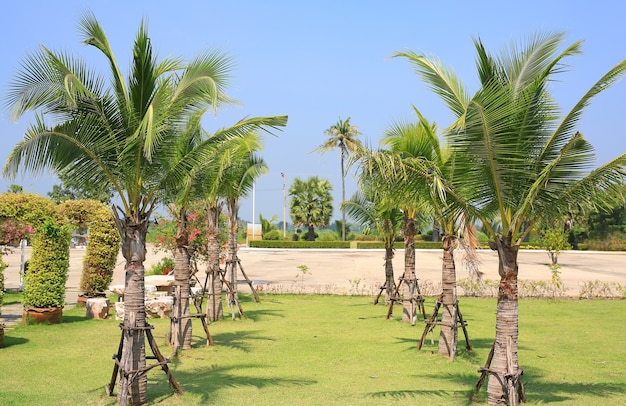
x: 324, y: 350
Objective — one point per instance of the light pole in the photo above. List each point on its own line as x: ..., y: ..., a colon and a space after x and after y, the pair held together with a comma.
x: 284, y: 205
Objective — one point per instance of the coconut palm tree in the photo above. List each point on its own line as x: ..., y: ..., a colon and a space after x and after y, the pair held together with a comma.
x: 122, y: 134
x: 374, y: 207
x: 522, y: 162
x: 408, y: 140
x: 416, y: 142
x: 224, y: 152
x: 341, y: 135
x: 239, y: 177
x: 311, y: 204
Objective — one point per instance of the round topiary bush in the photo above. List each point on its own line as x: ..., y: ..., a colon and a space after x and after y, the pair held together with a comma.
x: 44, y: 283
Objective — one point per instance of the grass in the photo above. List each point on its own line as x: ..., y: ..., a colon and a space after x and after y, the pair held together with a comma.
x: 328, y: 350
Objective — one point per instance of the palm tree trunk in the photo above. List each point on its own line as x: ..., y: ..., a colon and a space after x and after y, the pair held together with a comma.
x: 448, y: 336
x: 180, y: 326
x: 343, y: 196
x: 133, y: 355
x: 389, y: 279
x: 233, y: 227
x: 506, y: 325
x: 310, y: 236
x: 214, y: 309
x: 409, y: 311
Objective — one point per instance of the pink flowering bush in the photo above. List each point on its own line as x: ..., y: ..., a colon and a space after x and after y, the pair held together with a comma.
x: 12, y: 232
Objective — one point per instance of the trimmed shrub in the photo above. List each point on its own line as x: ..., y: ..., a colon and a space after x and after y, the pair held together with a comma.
x: 272, y: 235
x: 103, y: 246
x: 44, y: 283
x: 21, y: 213
x: 298, y: 244
x: 3, y: 265
x: 339, y: 244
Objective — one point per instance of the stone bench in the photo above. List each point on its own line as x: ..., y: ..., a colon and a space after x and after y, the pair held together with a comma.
x: 160, y: 307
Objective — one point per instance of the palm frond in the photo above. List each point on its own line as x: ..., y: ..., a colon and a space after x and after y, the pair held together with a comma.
x: 441, y: 80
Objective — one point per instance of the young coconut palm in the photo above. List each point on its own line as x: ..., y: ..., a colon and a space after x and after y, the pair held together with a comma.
x: 374, y: 207
x: 224, y: 151
x: 239, y: 177
x: 521, y: 162
x: 123, y: 134
x: 407, y: 140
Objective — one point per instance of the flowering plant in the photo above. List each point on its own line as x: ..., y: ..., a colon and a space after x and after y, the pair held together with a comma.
x: 11, y: 233
x: 165, y: 234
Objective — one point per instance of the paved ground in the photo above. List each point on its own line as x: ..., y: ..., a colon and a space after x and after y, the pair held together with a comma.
x: 353, y: 271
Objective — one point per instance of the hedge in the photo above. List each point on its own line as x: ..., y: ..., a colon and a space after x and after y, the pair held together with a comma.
x: 339, y: 244
x: 298, y: 244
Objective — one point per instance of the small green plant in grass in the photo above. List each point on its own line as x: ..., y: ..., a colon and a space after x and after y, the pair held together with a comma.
x: 305, y: 270
x: 601, y: 290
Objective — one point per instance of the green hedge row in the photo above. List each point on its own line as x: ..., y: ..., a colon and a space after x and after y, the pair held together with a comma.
x: 338, y: 244
x: 298, y: 244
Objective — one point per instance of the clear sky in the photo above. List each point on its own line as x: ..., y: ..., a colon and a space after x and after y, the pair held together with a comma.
x: 324, y: 60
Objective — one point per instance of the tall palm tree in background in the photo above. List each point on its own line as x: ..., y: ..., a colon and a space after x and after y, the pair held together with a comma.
x: 311, y: 204
x: 341, y: 135
x: 373, y: 207
x: 123, y: 134
x: 522, y: 162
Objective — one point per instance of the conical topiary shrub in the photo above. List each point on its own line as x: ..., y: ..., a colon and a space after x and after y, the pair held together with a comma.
x: 44, y: 282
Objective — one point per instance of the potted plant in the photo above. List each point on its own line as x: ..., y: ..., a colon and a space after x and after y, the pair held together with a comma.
x: 44, y: 283
x: 163, y: 267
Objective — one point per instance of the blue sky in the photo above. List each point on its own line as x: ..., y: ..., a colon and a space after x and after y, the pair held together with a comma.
x: 324, y: 60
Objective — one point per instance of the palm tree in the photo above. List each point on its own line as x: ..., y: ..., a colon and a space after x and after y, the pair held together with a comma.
x: 235, y: 137
x: 239, y: 177
x: 408, y: 140
x: 341, y: 135
x: 123, y: 135
x: 419, y: 141
x: 375, y: 208
x: 311, y: 204
x: 522, y: 162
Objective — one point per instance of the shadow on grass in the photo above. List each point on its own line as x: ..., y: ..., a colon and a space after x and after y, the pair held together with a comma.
x: 475, y: 355
x: 237, y: 340
x: 537, y: 388
x: 256, y: 315
x: 553, y: 392
x: 205, y: 383
x: 425, y: 396
x: 11, y: 341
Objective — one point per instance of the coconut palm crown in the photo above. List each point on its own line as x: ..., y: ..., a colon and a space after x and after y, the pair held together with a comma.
x: 521, y: 161
x: 121, y: 133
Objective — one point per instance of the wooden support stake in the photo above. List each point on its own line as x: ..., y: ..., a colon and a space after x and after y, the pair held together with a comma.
x: 256, y: 296
x: 162, y: 362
